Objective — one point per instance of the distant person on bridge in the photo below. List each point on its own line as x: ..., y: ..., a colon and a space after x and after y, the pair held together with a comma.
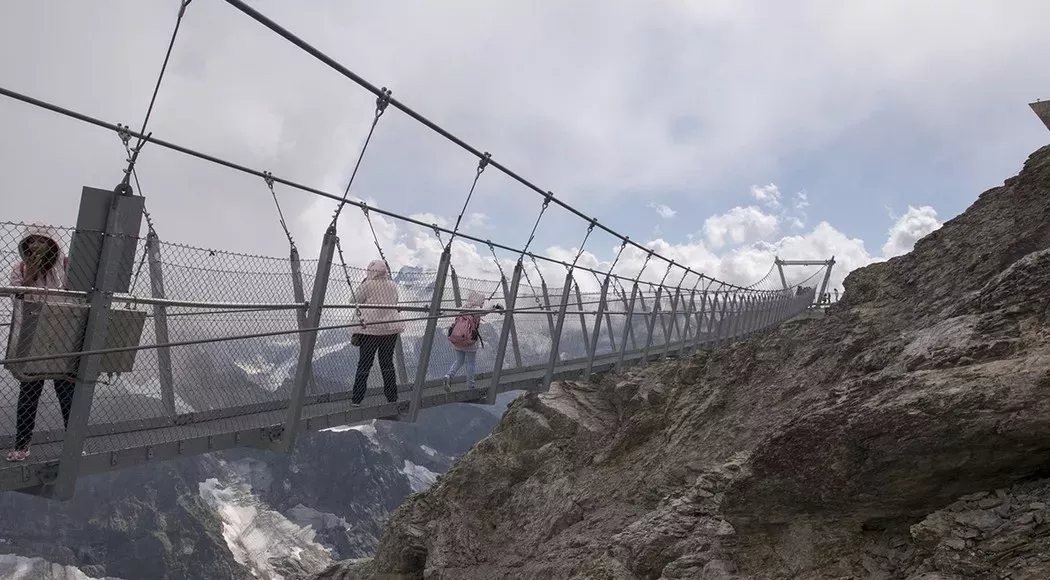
x: 42, y: 264
x: 379, y: 331
x: 464, y: 335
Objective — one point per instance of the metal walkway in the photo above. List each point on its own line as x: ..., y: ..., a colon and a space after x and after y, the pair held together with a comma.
x: 172, y: 351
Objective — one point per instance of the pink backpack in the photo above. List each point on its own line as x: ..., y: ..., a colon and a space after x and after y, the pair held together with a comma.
x: 464, y: 331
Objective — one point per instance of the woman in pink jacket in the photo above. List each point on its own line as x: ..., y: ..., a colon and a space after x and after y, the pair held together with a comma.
x: 378, y: 332
x: 42, y: 265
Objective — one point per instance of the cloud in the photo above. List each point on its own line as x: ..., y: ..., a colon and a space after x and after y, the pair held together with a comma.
x: 663, y: 210
x: 576, y: 113
x: 910, y: 228
x: 768, y: 195
x: 739, y: 225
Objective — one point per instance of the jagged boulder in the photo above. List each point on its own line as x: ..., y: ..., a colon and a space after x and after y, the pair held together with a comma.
x: 816, y: 451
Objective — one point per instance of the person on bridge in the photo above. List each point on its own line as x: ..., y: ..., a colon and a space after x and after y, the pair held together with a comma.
x: 464, y: 336
x: 379, y: 330
x: 42, y: 264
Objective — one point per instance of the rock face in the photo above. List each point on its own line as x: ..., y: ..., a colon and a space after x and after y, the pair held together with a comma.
x: 901, y: 436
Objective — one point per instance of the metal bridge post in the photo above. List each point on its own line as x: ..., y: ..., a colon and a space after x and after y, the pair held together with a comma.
x: 771, y: 310
x: 711, y: 335
x: 627, y: 326
x: 297, y: 287
x: 674, y: 322
x: 609, y: 327
x: 100, y: 299
x: 652, y: 325
x: 428, y: 335
x: 720, y: 336
x: 593, y: 348
x: 304, y: 366
x: 547, y: 306
x: 583, y: 320
x: 559, y: 325
x: 736, y: 310
x: 697, y: 338
x: 737, y: 322
x: 456, y: 295
x: 687, y: 323
x: 505, y: 331
x: 507, y: 297
x: 749, y: 317
x: 160, y: 325
x: 300, y: 298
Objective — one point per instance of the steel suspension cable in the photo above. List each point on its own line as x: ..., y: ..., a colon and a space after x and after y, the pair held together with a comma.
x: 156, y: 90
x: 482, y: 163
x: 382, y: 100
x: 280, y: 214
x: 262, y: 19
x: 250, y: 171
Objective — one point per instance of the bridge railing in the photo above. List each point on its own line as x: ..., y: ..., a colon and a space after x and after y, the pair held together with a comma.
x: 218, y: 338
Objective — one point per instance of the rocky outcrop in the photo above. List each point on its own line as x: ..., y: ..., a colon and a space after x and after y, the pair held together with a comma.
x: 866, y: 444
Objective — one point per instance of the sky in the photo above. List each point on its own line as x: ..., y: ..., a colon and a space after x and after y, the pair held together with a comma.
x: 718, y: 133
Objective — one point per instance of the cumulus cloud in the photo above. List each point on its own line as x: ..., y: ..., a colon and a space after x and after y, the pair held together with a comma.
x: 768, y: 195
x: 663, y: 210
x: 575, y: 113
x: 910, y: 228
x: 739, y: 225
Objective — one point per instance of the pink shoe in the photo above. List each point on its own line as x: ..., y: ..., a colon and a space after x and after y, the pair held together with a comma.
x: 18, y: 455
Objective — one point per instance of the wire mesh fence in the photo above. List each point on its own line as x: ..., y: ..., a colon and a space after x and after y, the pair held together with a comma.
x: 202, y: 341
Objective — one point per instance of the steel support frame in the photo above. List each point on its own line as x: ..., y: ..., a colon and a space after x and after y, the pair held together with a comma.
x: 593, y: 346
x: 674, y: 323
x: 697, y: 337
x: 627, y: 327
x: 299, y: 294
x: 651, y: 327
x: 505, y: 332
x: 547, y: 305
x: 428, y: 335
x: 583, y: 319
x: 687, y: 324
x: 507, y: 297
x: 100, y: 301
x: 160, y: 325
x: 304, y: 369
x: 558, y: 327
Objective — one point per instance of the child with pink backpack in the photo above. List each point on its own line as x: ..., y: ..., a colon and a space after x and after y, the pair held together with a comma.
x: 464, y: 337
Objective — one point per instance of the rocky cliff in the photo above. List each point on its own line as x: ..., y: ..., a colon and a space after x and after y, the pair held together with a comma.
x: 901, y: 436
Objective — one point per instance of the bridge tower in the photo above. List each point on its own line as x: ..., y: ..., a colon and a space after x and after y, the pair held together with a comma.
x: 1042, y: 110
x: 828, y: 264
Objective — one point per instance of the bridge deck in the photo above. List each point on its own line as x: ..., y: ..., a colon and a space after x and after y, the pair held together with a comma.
x: 109, y: 449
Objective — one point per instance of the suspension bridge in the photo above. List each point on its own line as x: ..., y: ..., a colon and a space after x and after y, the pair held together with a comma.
x: 172, y: 350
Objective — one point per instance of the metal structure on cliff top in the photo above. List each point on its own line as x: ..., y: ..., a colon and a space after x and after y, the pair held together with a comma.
x: 1042, y: 110
x: 220, y: 350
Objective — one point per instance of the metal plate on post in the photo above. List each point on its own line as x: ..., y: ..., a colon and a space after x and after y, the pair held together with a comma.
x: 86, y: 247
x: 51, y: 329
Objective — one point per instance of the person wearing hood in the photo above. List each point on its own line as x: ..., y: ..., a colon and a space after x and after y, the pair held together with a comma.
x: 464, y: 336
x: 378, y: 331
x: 42, y: 264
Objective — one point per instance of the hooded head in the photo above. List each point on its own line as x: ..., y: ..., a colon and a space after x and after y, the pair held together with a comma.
x: 475, y: 300
x: 42, y: 246
x: 377, y: 270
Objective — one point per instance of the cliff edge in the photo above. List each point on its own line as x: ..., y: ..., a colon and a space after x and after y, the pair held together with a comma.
x: 901, y: 436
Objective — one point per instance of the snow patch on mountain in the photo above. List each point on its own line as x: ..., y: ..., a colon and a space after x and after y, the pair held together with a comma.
x: 261, y: 539
x: 419, y: 478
